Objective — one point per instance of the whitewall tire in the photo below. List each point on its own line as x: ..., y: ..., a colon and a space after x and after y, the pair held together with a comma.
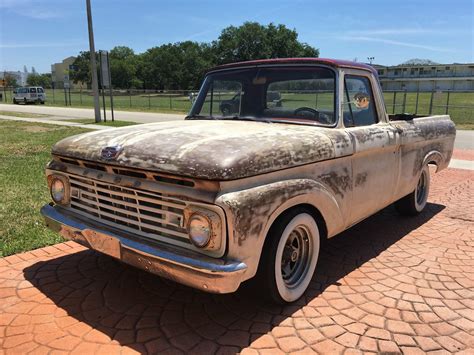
x: 290, y: 256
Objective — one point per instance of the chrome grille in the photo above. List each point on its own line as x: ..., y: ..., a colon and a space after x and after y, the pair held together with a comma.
x: 148, y: 214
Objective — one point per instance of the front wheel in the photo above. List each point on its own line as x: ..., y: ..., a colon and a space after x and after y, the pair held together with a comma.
x: 415, y: 202
x: 289, y: 257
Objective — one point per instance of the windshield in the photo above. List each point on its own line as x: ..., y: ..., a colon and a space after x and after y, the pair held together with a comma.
x: 288, y: 94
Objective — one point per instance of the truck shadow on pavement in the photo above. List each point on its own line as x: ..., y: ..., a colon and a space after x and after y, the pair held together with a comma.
x: 101, y: 300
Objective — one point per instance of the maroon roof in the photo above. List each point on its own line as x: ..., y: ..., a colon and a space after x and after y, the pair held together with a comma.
x: 331, y: 62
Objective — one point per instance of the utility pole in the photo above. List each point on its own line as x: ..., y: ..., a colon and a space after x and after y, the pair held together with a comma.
x: 95, y: 85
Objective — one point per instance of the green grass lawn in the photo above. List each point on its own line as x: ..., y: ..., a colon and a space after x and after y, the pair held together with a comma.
x: 135, y: 102
x: 24, y: 151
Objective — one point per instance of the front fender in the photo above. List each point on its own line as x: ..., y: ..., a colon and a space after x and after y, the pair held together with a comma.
x: 251, y: 212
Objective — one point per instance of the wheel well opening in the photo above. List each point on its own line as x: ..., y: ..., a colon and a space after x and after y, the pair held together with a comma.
x: 314, y: 212
x: 434, y: 164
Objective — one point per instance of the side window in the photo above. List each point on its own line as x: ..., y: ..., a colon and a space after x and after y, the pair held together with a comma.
x: 358, y: 102
x: 223, y: 99
x: 40, y: 90
x: 310, y: 98
x: 33, y: 90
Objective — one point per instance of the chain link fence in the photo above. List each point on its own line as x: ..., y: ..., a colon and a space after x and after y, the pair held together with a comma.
x: 458, y: 104
x: 140, y: 100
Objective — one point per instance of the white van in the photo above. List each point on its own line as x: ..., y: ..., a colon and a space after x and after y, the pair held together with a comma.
x: 28, y: 94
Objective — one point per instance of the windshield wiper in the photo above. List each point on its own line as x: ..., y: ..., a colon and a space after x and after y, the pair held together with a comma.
x: 199, y: 117
x: 243, y: 118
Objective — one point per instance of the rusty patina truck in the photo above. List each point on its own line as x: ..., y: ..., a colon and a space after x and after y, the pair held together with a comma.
x: 222, y: 197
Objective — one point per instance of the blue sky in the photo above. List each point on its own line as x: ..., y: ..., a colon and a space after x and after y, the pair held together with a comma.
x: 40, y: 32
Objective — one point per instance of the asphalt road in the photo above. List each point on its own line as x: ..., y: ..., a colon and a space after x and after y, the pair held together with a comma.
x: 70, y: 113
x: 464, y: 139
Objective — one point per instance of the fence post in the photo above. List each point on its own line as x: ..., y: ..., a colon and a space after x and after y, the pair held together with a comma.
x: 394, y: 100
x: 404, y: 100
x: 130, y: 97
x: 53, y: 97
x: 171, y: 104
x: 417, y: 96
x: 431, y: 103
x: 447, y: 103
x: 149, y: 104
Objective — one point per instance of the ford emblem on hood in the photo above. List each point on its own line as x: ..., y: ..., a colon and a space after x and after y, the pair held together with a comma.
x: 110, y: 153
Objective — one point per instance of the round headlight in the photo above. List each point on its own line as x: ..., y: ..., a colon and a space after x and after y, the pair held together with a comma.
x: 58, y: 190
x: 200, y: 230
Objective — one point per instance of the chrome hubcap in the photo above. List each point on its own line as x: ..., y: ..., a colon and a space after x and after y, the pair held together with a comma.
x: 295, y: 258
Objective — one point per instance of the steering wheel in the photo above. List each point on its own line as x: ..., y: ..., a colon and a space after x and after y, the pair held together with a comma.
x: 315, y: 114
x: 302, y: 112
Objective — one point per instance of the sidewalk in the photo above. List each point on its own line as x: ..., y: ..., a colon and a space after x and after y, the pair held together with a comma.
x: 50, y: 121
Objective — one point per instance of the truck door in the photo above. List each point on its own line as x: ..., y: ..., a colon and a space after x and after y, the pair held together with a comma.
x: 375, y: 163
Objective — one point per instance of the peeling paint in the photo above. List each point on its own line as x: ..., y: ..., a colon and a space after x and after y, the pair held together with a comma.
x: 214, y: 150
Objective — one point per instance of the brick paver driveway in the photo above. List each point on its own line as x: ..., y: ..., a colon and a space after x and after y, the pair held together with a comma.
x: 390, y: 284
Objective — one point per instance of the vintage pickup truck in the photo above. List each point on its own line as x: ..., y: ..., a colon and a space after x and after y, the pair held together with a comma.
x: 222, y: 197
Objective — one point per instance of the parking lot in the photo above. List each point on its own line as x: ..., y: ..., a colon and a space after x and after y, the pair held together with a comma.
x: 389, y: 284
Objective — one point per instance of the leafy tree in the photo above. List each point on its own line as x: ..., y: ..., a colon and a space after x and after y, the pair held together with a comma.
x: 255, y: 41
x: 175, y: 66
x: 182, y: 65
x: 10, y: 81
x: 123, y: 68
x: 43, y: 80
x: 82, y: 72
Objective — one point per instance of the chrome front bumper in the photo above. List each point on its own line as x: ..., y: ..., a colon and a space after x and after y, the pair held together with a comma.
x: 183, y: 266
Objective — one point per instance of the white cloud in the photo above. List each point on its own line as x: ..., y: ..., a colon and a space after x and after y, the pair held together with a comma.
x: 41, y: 45
x: 30, y: 8
x: 393, y: 42
x: 404, y: 31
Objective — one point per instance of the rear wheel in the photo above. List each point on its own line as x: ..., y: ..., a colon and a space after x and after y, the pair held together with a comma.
x: 24, y: 101
x: 14, y: 101
x: 289, y: 257
x: 414, y: 203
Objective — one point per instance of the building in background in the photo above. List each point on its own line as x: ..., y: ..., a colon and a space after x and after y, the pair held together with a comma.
x: 19, y: 76
x: 412, y: 76
x: 60, y: 74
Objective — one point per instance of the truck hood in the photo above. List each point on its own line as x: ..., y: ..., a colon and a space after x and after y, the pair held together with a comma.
x: 213, y: 150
